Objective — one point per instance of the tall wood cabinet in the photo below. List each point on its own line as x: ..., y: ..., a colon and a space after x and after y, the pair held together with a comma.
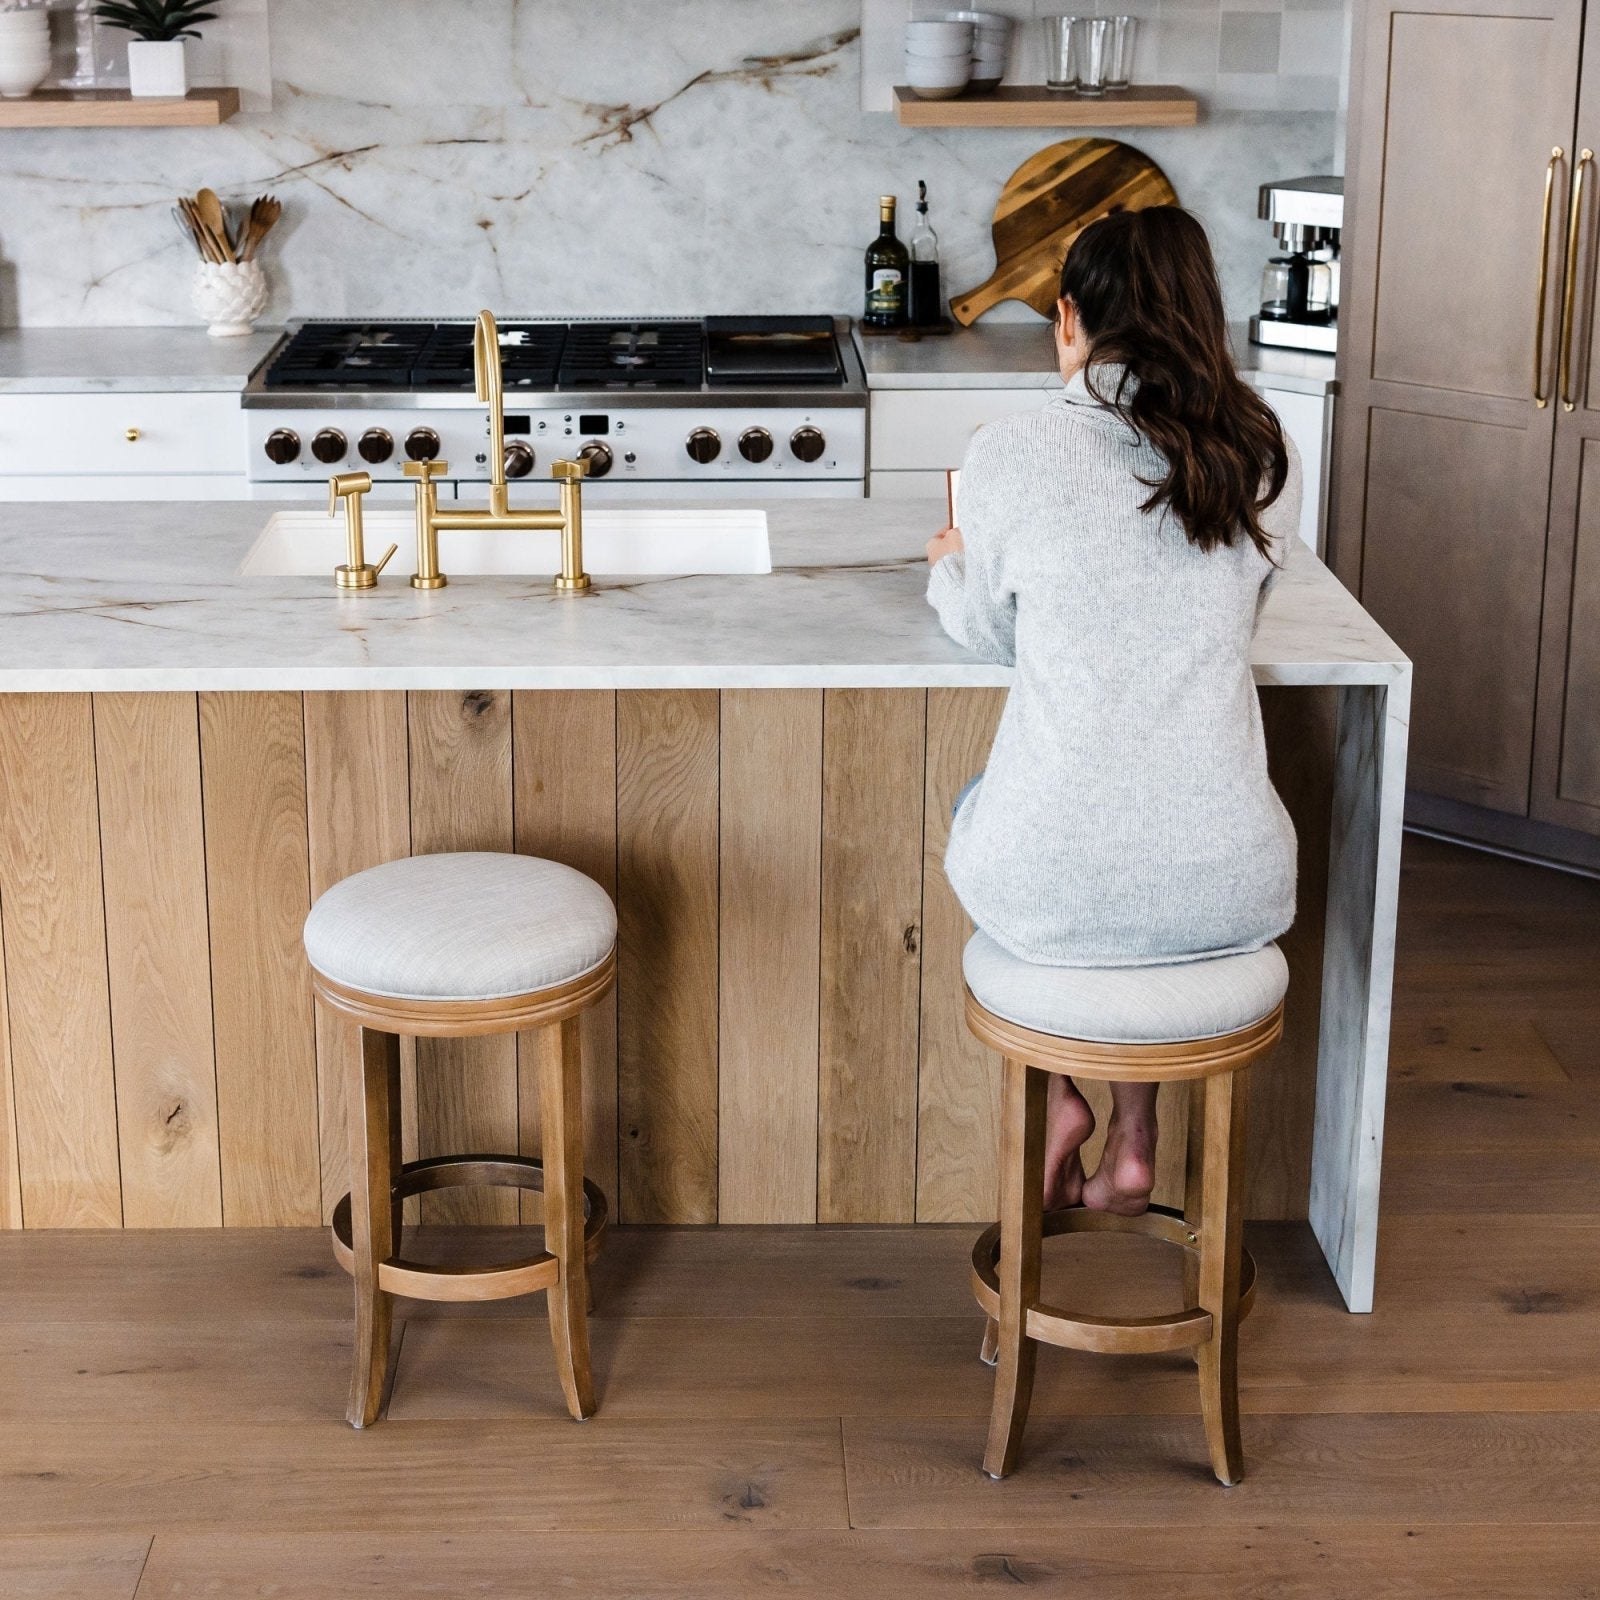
x: 1466, y: 493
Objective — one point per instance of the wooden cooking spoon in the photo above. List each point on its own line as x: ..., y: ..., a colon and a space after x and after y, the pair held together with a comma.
x: 1045, y: 204
x: 216, y: 219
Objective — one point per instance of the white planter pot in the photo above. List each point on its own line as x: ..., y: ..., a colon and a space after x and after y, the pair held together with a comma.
x: 157, y: 69
x: 229, y: 296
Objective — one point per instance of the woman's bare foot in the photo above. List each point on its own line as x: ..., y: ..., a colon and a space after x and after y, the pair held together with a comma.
x: 1068, y: 1124
x: 1127, y: 1172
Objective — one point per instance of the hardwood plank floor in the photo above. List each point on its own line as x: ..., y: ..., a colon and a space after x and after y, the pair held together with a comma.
x: 86, y: 1567
x: 1484, y: 1562
x: 800, y: 1411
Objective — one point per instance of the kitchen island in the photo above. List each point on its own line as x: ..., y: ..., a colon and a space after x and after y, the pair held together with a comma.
x: 760, y: 769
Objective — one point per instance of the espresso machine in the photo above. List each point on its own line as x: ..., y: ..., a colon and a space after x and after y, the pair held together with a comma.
x: 1300, y: 286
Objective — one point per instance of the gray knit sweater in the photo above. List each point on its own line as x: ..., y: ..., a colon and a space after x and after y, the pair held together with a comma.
x: 1125, y: 817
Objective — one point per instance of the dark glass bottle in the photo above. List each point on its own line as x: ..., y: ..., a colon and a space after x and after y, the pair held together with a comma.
x: 927, y: 294
x: 888, y: 273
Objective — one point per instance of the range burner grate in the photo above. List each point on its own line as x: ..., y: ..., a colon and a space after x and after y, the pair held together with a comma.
x: 633, y: 355
x: 368, y: 355
x: 530, y: 356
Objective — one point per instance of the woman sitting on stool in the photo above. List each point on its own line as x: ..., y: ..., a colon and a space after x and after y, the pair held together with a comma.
x: 1115, y: 547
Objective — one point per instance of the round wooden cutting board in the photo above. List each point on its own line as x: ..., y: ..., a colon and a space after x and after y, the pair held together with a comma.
x: 1046, y: 203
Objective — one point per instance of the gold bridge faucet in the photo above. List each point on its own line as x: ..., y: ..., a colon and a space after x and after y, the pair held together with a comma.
x: 431, y: 520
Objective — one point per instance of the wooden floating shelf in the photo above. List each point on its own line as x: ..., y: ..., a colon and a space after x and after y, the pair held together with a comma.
x: 1145, y: 105
x: 116, y: 108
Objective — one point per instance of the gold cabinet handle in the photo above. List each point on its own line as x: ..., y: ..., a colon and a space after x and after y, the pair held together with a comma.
x: 1540, y: 398
x: 133, y: 436
x: 1570, y: 291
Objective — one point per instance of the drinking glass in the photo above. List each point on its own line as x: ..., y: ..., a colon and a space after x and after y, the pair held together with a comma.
x: 1091, y: 53
x: 1060, y: 60
x: 1119, y: 68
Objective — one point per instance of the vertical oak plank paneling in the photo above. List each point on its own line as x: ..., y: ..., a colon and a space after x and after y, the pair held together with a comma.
x: 667, y: 765
x: 958, y: 1083
x: 253, y: 778
x: 10, y: 1177
x: 769, y: 962
x: 872, y: 808
x: 461, y: 800
x: 152, y: 832
x: 358, y: 814
x: 564, y: 770
x: 55, y: 952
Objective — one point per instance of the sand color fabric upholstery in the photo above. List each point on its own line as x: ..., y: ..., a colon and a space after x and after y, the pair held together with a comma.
x: 1128, y: 1005
x: 471, y: 926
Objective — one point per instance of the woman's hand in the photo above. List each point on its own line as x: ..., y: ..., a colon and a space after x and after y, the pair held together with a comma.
x: 947, y: 542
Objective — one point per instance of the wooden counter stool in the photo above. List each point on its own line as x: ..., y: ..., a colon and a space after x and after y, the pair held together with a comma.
x: 1202, y: 1020
x: 454, y: 946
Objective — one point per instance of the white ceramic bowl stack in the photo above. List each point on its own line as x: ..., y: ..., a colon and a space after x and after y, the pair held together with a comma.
x: 939, y: 58
x: 991, y: 46
x: 24, y: 52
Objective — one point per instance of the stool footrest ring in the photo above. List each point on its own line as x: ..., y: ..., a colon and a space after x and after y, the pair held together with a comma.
x: 424, y: 1281
x: 1109, y: 1335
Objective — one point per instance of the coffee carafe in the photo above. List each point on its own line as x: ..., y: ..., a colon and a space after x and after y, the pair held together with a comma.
x: 1300, y: 287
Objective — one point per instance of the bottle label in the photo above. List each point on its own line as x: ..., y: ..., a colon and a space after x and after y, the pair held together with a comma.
x: 886, y: 294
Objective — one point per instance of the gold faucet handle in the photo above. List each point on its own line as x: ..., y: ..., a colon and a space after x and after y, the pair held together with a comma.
x: 345, y: 484
x: 426, y: 471
x: 569, y: 469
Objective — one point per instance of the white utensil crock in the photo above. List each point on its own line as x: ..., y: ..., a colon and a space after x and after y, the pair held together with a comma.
x: 229, y: 296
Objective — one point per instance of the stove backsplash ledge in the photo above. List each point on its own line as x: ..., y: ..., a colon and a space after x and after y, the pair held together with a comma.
x: 564, y: 157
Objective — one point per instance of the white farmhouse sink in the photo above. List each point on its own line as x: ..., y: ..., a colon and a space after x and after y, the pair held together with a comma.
x: 616, y: 542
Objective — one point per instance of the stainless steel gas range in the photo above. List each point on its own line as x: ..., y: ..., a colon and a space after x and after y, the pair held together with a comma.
x: 670, y: 408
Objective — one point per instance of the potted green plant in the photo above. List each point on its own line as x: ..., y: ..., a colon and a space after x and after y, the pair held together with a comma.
x: 156, y: 65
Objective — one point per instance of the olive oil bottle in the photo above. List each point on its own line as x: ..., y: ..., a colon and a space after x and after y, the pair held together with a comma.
x: 888, y: 273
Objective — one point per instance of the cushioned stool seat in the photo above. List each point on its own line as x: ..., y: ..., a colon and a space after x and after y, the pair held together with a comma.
x: 467, y: 926
x: 1128, y: 1005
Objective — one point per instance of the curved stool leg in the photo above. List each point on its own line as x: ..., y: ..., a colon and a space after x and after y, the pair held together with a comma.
x: 989, y: 1353
x: 1021, y: 1210
x: 561, y: 1111
x: 1221, y: 1247
x: 374, y: 1160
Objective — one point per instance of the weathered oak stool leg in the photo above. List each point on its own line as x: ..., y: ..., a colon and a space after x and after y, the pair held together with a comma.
x: 561, y: 1108
x: 374, y: 1166
x: 1021, y: 1207
x: 1221, y: 1260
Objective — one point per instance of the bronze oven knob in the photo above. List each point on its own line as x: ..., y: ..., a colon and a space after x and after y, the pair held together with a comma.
x: 283, y: 446
x: 330, y: 446
x: 422, y: 444
x: 376, y: 445
x: 808, y: 444
x: 598, y: 456
x: 755, y: 444
x: 704, y: 445
x: 519, y: 459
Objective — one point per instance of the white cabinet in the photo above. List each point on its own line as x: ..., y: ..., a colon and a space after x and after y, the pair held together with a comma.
x: 1308, y: 420
x: 917, y: 434
x: 122, y: 446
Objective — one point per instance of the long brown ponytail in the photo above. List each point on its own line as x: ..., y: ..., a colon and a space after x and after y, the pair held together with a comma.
x: 1145, y: 287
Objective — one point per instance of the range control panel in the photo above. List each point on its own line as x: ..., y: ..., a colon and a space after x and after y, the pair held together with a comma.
x: 766, y: 446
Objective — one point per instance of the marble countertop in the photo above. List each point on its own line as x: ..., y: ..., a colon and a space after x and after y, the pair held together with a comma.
x: 127, y: 360
x: 147, y: 597
x: 992, y: 355
x: 1018, y: 355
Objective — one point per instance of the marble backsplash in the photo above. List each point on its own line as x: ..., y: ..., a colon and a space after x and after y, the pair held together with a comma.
x: 563, y: 156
